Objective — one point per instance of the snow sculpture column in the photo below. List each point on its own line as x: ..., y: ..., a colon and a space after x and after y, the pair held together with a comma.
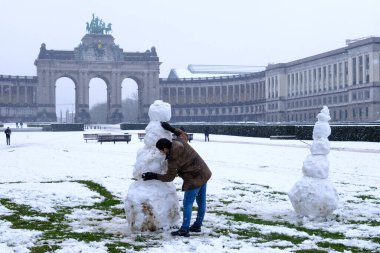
x: 314, y: 194
x: 152, y: 205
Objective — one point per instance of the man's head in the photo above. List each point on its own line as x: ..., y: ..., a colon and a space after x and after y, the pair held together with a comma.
x: 164, y: 145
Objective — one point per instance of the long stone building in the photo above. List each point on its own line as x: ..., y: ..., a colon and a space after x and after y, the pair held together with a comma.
x: 347, y: 80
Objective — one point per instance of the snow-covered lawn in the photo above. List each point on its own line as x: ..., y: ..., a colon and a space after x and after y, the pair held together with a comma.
x: 61, y: 194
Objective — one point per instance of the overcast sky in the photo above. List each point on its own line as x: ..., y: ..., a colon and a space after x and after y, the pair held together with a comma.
x: 218, y: 32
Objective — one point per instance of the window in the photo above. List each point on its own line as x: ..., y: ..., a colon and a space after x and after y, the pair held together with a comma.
x: 305, y: 83
x: 354, y: 71
x: 324, y: 78
x: 361, y: 69
x: 310, y: 82
x: 329, y: 77
x: 345, y: 74
x: 360, y: 95
x: 315, y: 80
x: 366, y: 94
x: 335, y: 74
x: 366, y: 69
x: 340, y: 75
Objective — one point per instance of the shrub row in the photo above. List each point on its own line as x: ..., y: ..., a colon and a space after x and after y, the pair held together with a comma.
x: 38, y: 124
x: 301, y: 132
x: 63, y: 127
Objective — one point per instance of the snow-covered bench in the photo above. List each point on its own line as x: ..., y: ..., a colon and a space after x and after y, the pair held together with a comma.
x: 141, y: 136
x: 114, y: 138
x: 189, y: 136
x: 282, y: 137
x: 93, y: 136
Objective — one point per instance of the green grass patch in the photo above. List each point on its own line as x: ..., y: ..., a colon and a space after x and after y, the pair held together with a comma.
x: 44, y: 248
x: 279, y: 193
x: 121, y: 247
x: 56, y: 229
x: 342, y: 248
x: 254, y: 219
x: 373, y: 223
x: 226, y: 202
x: 364, y: 197
x: 310, y: 251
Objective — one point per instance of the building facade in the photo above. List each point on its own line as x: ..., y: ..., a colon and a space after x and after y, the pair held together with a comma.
x: 347, y: 80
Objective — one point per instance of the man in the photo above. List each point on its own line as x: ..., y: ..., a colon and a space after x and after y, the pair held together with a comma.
x: 207, y: 133
x: 8, y: 135
x: 185, y: 162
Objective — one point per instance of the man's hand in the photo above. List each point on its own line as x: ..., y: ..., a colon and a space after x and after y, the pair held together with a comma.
x: 149, y: 176
x: 167, y: 126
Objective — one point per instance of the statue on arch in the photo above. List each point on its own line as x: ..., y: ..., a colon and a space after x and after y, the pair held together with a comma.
x: 98, y: 26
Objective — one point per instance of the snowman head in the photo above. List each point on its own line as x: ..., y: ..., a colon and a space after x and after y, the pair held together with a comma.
x: 324, y: 115
x: 160, y: 111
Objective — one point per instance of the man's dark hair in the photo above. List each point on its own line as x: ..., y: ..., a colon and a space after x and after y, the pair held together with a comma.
x: 163, y: 143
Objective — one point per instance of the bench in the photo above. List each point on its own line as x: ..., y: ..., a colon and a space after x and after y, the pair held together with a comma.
x: 189, y: 136
x: 282, y: 137
x: 114, y: 138
x: 92, y: 136
x: 141, y: 136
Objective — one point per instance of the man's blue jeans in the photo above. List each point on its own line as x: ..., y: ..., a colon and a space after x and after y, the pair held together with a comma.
x: 198, y: 194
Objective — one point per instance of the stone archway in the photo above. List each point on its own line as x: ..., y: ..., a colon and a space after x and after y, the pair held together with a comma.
x: 97, y: 57
x: 65, y: 99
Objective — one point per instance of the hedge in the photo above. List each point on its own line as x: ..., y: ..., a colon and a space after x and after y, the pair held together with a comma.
x: 63, y: 127
x: 369, y: 133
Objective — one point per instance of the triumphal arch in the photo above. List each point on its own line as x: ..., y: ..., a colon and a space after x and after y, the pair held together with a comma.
x: 97, y: 56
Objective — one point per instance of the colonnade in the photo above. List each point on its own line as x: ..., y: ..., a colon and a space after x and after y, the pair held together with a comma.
x: 213, y: 94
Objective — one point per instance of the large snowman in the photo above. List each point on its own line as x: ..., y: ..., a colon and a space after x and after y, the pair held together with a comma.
x: 314, y: 194
x: 152, y: 205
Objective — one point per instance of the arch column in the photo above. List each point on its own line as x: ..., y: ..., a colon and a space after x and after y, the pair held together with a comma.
x: 82, y: 110
x: 114, y: 114
x: 148, y: 92
x: 45, y: 98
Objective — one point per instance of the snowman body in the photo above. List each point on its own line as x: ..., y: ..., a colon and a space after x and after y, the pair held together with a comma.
x: 152, y: 205
x: 314, y: 194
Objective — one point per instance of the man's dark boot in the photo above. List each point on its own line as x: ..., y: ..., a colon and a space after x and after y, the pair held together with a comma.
x: 195, y: 228
x: 181, y: 232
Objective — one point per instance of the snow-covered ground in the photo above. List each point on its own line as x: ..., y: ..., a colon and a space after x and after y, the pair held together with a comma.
x: 59, y: 193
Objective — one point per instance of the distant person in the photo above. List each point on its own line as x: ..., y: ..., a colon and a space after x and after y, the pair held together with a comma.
x: 16, y: 124
x: 207, y: 133
x: 8, y: 135
x: 21, y: 124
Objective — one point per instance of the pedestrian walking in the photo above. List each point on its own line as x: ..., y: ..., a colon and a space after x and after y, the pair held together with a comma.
x: 8, y: 135
x: 207, y: 133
